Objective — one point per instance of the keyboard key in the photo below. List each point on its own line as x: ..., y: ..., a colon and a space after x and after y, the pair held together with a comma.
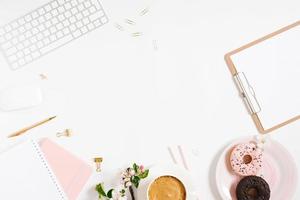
x: 87, y: 4
x: 68, y: 14
x: 68, y: 6
x: 12, y: 58
x: 59, y: 26
x: 28, y: 34
x: 21, y: 21
x: 33, y: 39
x: 39, y: 36
x: 46, y: 33
x: 22, y: 62
x: 34, y: 22
x: 86, y: 21
x: 35, y: 54
x: 15, y: 25
x: 54, y: 20
x: 95, y: 16
x: 61, y: 2
x: 34, y: 31
x: 61, y: 9
x: 48, y: 24
x: 79, y: 24
x: 56, y: 44
x: 11, y: 51
x: 26, y: 51
x: 86, y: 13
x: 77, y: 33
x: 46, y: 41
x: 34, y: 15
x: 28, y: 18
x: 66, y: 31
x: 84, y: 29
x: 81, y: 7
x: 20, y: 54
x: 66, y: 23
x: 41, y: 11
x: 28, y: 26
x: 74, y: 3
x: 72, y: 27
x: 48, y: 16
x: 97, y: 23
x: 61, y: 17
x: 92, y: 9
x: 28, y: 58
x: 40, y: 44
x: 26, y: 43
x: 79, y: 16
x: 74, y: 11
x: 91, y: 26
x: 42, y: 19
x: 53, y: 29
x: 54, y: 4
x: 47, y: 8
x: 6, y: 45
x: 2, y: 31
x: 41, y: 28
x: 32, y: 48
x: 2, y: 39
x: 14, y: 41
x: 52, y: 38
x: 59, y: 34
x: 15, y: 33
x: 54, y: 12
x: 104, y: 20
x: 20, y: 46
x: 72, y: 19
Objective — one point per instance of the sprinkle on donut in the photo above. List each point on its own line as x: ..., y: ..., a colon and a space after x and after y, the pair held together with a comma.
x: 246, y: 159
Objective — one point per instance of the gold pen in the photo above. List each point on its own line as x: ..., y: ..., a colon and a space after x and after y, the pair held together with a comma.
x: 24, y: 130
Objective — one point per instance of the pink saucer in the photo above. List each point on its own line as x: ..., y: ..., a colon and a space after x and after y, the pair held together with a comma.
x: 279, y: 170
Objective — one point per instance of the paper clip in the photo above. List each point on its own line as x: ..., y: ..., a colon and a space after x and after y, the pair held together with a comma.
x: 129, y: 21
x: 136, y: 34
x: 98, y: 162
x: 67, y: 133
x: 145, y: 11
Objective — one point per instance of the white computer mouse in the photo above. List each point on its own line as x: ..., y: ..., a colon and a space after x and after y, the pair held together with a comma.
x: 20, y: 97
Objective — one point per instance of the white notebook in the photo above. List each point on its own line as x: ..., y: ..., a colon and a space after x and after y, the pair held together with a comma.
x: 25, y: 174
x: 271, y: 66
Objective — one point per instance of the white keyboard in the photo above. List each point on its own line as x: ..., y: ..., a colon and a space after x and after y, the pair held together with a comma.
x: 47, y: 28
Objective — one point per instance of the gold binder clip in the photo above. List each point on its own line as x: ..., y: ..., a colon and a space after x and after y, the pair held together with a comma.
x: 98, y: 162
x: 66, y: 133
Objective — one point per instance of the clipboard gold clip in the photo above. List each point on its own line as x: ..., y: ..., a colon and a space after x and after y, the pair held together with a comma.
x: 247, y: 93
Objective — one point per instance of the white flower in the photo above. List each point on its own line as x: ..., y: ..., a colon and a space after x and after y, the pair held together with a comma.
x: 132, y: 172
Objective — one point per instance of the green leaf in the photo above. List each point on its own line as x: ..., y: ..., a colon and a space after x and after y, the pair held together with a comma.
x: 144, y: 174
x: 135, y: 181
x: 109, y: 193
x: 100, y: 190
x: 135, y: 167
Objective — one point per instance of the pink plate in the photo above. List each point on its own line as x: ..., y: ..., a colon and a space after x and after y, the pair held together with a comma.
x: 279, y: 170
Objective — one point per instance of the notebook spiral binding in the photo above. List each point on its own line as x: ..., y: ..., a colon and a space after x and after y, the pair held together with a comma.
x: 51, y: 174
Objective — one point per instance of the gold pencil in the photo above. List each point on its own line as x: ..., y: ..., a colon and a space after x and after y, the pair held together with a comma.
x: 22, y: 131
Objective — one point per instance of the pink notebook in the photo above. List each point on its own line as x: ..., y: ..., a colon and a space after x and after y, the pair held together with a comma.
x: 71, y: 172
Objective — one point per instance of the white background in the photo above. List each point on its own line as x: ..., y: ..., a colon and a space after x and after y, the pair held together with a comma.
x: 127, y: 102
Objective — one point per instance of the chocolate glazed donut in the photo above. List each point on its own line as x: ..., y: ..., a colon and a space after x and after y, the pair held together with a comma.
x: 253, y: 188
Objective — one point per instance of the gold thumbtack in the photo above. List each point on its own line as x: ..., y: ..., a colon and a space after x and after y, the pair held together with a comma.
x: 67, y: 133
x: 98, y: 162
x: 129, y: 21
x: 136, y: 34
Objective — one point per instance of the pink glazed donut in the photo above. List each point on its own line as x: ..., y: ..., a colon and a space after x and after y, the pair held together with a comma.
x: 246, y: 159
